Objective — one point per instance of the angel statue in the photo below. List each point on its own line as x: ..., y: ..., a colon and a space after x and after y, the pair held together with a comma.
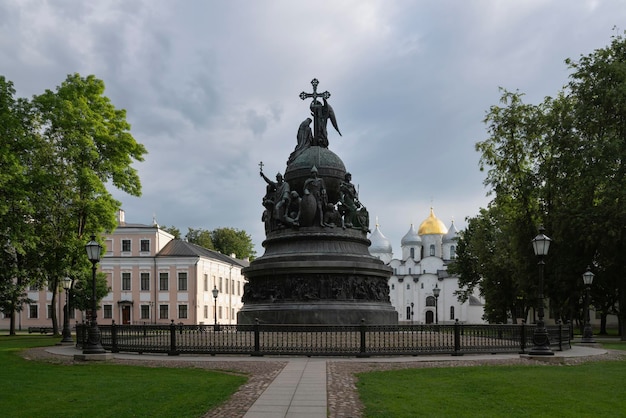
x: 321, y: 113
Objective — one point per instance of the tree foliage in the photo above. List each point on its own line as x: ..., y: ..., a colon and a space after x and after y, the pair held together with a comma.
x: 560, y: 164
x: 66, y: 146
x: 225, y: 240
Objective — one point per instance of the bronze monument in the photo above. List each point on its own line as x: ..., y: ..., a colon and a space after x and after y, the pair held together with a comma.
x: 316, y: 268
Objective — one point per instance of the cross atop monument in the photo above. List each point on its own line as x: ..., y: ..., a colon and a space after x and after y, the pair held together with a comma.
x: 315, y: 94
x: 321, y: 112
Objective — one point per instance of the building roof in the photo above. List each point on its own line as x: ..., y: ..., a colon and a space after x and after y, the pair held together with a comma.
x: 379, y: 243
x: 452, y: 235
x: 180, y: 248
x: 411, y: 237
x: 432, y: 225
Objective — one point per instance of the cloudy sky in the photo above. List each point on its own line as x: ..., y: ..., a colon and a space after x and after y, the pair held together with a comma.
x: 211, y: 89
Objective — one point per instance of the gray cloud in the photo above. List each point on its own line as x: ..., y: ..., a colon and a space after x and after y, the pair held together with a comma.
x: 211, y: 88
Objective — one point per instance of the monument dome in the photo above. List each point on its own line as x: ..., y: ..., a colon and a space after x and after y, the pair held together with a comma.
x: 329, y: 167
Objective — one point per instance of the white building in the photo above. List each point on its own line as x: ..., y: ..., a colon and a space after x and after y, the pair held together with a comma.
x: 421, y: 272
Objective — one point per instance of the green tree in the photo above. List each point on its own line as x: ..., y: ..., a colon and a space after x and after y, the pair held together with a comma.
x: 200, y: 237
x: 172, y: 230
x: 598, y: 86
x: 19, y: 267
x: 58, y: 153
x: 559, y: 163
x: 511, y: 155
x: 86, y: 144
x: 233, y: 241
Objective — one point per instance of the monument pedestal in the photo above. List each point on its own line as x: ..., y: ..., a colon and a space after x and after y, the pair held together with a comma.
x: 317, y: 276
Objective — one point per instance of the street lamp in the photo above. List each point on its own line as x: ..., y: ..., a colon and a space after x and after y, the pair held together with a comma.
x: 412, y: 312
x: 541, y: 341
x: 436, y: 292
x: 587, y: 331
x: 215, y: 293
x: 67, y: 333
x: 93, y: 345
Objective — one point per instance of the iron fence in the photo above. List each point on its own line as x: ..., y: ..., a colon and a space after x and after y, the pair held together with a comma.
x: 324, y: 340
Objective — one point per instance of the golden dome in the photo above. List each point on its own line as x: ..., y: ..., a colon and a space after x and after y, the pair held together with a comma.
x: 432, y: 225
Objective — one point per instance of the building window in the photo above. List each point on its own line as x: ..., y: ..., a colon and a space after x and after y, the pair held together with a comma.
x: 219, y: 309
x: 393, y: 286
x: 164, y: 281
x: 33, y: 311
x: 145, y: 312
x: 206, y: 311
x: 220, y: 286
x: 412, y: 252
x: 107, y: 311
x: 238, y: 288
x: 452, y: 313
x: 408, y: 286
x: 125, y: 245
x: 206, y: 282
x: 164, y: 311
x: 182, y: 311
x: 145, y: 245
x: 432, y: 250
x: 145, y: 281
x: 409, y: 270
x: 182, y: 281
x: 430, y: 301
x: 126, y: 281
x: 49, y: 311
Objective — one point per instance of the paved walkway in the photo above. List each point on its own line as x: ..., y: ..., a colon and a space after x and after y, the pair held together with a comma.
x: 299, y: 390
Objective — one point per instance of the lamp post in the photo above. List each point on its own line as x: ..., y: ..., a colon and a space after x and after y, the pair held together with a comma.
x: 541, y: 341
x: 436, y: 292
x: 587, y: 331
x: 412, y: 312
x: 93, y: 345
x: 215, y: 293
x: 67, y: 333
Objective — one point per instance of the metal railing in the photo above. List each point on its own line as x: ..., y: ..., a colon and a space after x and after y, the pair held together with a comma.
x: 324, y: 340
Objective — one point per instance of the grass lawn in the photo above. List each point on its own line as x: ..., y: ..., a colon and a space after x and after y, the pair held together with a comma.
x: 38, y: 389
x: 616, y: 345
x: 594, y: 389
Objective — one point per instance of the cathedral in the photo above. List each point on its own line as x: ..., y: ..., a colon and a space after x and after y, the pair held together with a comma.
x: 420, y: 288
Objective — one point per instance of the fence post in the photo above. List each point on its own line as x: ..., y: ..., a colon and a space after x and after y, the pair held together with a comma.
x: 257, y: 339
x: 362, y: 329
x: 560, y: 335
x: 457, y: 338
x: 523, y: 337
x: 172, y: 351
x: 114, y: 337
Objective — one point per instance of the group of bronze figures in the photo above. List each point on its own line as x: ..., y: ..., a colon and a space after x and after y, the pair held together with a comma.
x: 285, y: 208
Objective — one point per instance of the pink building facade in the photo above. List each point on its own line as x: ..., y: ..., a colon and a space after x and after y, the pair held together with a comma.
x: 153, y: 279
